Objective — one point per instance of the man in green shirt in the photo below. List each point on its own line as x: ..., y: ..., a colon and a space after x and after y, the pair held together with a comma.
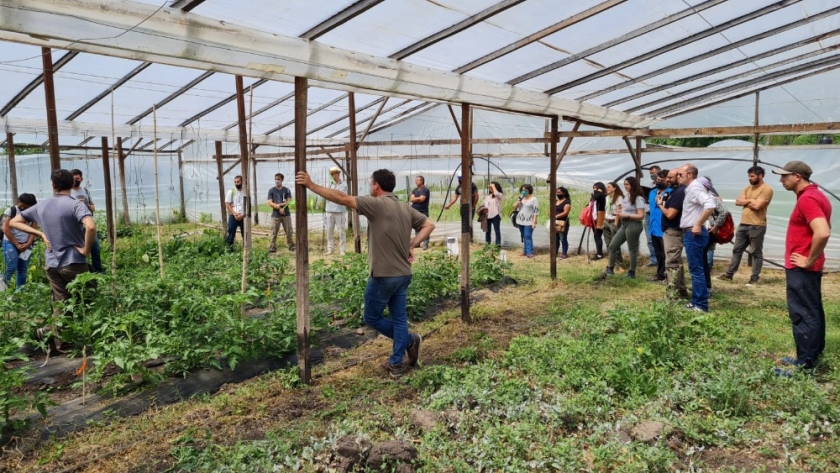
x: 390, y: 253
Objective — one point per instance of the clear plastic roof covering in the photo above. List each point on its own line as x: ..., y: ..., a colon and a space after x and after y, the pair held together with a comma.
x: 690, y: 63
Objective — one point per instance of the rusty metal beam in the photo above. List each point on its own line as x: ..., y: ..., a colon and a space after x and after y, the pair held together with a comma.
x: 729, y: 47
x: 171, y: 97
x: 619, y: 40
x: 717, y: 29
x: 539, y: 35
x: 707, y: 85
x: 726, y: 67
x: 344, y: 117
x: 455, y: 29
x: 108, y: 91
x: 309, y: 113
x: 185, y: 5
x: 340, y: 18
x: 18, y: 98
x: 810, y: 66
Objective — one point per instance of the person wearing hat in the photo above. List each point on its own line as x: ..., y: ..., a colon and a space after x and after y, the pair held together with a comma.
x: 336, y: 214
x: 809, y: 229
x: 754, y: 199
x: 17, y: 244
x: 457, y: 196
x: 697, y: 208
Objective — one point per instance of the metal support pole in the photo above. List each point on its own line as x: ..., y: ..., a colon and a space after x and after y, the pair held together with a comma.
x: 220, y: 177
x: 466, y: 210
x: 123, y: 190
x: 181, y: 185
x: 555, y: 123
x: 10, y: 150
x: 354, y: 169
x: 302, y: 234
x: 52, y: 121
x: 109, y: 203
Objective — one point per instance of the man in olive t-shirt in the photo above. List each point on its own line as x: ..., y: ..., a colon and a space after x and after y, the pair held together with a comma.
x: 754, y: 199
x: 390, y: 252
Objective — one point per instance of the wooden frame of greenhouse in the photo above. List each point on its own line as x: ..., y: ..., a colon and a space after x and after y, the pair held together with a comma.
x: 306, y: 80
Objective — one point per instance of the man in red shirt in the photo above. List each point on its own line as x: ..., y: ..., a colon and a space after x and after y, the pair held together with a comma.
x: 808, y: 231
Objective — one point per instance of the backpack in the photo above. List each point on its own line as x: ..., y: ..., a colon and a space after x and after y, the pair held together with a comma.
x: 586, y: 216
x: 727, y: 231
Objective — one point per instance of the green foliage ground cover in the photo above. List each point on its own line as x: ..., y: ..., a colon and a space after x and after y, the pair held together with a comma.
x: 567, y: 399
x: 192, y: 317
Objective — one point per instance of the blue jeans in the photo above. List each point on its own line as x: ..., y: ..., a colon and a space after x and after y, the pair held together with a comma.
x: 14, y: 264
x: 390, y: 292
x: 494, y: 224
x: 695, y: 253
x: 651, y: 249
x: 95, y: 256
x: 233, y: 224
x: 561, y: 241
x: 528, y: 237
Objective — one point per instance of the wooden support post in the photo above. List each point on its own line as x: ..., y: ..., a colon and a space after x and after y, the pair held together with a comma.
x: 302, y: 234
x: 157, y: 197
x: 243, y: 150
x: 220, y: 177
x: 109, y: 202
x: 251, y: 149
x: 638, y: 160
x: 755, y: 135
x: 123, y: 190
x: 354, y: 169
x: 552, y: 179
x: 52, y: 121
x: 10, y: 151
x: 565, y: 149
x: 466, y: 211
x: 183, y: 200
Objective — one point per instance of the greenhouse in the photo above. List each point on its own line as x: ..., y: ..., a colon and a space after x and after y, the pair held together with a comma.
x: 162, y: 103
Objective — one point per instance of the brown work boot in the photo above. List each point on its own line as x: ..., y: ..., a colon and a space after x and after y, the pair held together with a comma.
x: 396, y: 371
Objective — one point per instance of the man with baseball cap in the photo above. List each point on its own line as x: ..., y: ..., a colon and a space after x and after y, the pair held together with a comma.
x: 807, y: 235
x: 336, y: 214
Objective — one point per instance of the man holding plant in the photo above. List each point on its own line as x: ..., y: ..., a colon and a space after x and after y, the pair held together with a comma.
x: 390, y: 254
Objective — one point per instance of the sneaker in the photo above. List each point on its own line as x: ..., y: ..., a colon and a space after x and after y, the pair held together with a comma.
x: 651, y: 265
x: 329, y: 252
x: 396, y: 371
x: 607, y: 272
x: 272, y: 251
x: 725, y: 277
x: 413, y: 350
x: 790, y: 361
x: 694, y: 308
x: 753, y: 281
x: 597, y: 257
x: 563, y: 256
x: 292, y: 248
x: 656, y: 279
x: 630, y: 275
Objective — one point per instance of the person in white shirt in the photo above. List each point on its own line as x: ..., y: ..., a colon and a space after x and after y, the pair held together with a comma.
x: 698, y: 206
x: 336, y: 214
x: 235, y: 203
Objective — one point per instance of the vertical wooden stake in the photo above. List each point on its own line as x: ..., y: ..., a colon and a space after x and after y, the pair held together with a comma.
x: 466, y: 210
x: 302, y: 233
x: 251, y: 149
x: 638, y: 160
x: 52, y: 121
x: 245, y: 161
x: 109, y: 203
x: 10, y: 151
x: 552, y: 234
x: 221, y: 177
x: 354, y: 168
x: 157, y: 196
x: 183, y: 200
x: 123, y: 190
x: 565, y: 149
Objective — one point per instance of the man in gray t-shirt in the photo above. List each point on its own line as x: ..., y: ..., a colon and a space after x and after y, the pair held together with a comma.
x: 391, y: 252
x: 68, y: 230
